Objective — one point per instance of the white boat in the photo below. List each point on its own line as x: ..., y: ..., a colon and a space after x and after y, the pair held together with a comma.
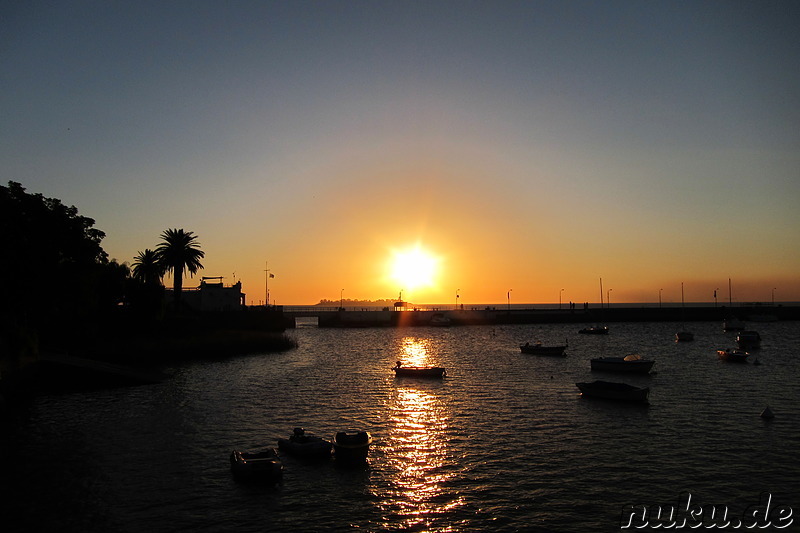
x: 630, y: 364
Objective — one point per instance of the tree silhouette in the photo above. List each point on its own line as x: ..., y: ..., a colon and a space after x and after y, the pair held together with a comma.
x: 147, y: 269
x: 178, y: 253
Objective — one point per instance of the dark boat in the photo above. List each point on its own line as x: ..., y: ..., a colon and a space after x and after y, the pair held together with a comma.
x: 418, y: 371
x: 594, y: 330
x: 538, y: 349
x: 264, y: 466
x: 733, y: 356
x: 748, y: 340
x: 306, y: 446
x: 684, y: 336
x: 352, y: 447
x: 630, y: 364
x: 610, y: 390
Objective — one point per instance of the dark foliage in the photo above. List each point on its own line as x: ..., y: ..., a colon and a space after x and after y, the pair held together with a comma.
x: 56, y: 277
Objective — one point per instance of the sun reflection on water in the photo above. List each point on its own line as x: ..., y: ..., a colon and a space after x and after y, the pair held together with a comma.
x: 418, y: 462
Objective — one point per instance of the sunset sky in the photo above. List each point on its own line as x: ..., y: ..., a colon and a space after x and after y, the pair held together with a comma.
x: 520, y: 147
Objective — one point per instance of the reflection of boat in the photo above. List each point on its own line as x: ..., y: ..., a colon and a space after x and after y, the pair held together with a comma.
x: 732, y: 324
x: 748, y: 340
x: 733, y: 356
x: 262, y: 465
x: 595, y: 330
x: 614, y: 391
x: 351, y: 446
x: 438, y: 319
x: 538, y: 349
x: 306, y: 446
x: 418, y: 371
x: 630, y: 363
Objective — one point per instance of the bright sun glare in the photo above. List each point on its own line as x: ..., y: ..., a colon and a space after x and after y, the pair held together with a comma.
x: 414, y: 268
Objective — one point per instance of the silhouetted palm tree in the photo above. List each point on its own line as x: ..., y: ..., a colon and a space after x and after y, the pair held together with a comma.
x: 180, y: 252
x: 147, y: 269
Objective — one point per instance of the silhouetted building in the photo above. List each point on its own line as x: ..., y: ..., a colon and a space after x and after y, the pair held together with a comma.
x: 214, y: 296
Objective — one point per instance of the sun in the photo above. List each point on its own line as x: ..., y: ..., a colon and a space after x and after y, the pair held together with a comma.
x: 414, y: 268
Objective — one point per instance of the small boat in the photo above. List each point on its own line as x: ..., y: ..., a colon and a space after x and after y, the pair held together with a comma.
x: 594, y: 330
x: 306, y: 446
x: 614, y: 391
x: 418, y: 371
x: 748, y: 340
x: 733, y: 356
x: 630, y: 363
x: 265, y: 466
x: 732, y: 324
x: 684, y: 336
x: 351, y: 446
x: 538, y: 349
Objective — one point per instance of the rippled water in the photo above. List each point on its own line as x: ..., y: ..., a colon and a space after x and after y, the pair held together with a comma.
x: 503, y: 443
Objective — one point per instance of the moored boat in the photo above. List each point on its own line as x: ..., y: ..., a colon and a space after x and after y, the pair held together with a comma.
x: 537, y: 348
x: 265, y: 465
x: 351, y: 446
x: 748, y: 340
x: 305, y: 446
x: 684, y: 336
x: 614, y: 391
x: 732, y: 324
x: 594, y: 330
x: 733, y: 356
x: 418, y: 371
x: 630, y: 363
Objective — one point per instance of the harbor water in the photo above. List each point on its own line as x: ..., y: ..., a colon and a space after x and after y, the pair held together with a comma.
x: 504, y: 442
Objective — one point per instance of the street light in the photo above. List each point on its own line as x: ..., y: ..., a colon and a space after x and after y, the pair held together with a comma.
x: 773, y: 296
x: 508, y: 295
x: 659, y: 298
x: 341, y: 300
x: 559, y: 298
x: 608, y: 298
x: 715, y: 296
x: 457, y: 297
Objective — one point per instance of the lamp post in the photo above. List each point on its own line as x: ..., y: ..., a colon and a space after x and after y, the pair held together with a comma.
x: 715, y: 296
x: 341, y: 300
x: 608, y: 298
x: 559, y: 298
x: 457, y: 297
x: 508, y: 296
x: 659, y: 298
x: 773, y: 296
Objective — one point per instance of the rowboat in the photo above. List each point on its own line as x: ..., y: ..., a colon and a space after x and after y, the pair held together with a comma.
x: 630, y: 363
x: 610, y: 390
x: 733, y: 356
x: 538, y: 349
x: 419, y: 371
x: 256, y: 466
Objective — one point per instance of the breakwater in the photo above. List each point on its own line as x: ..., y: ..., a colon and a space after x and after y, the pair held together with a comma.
x: 499, y: 315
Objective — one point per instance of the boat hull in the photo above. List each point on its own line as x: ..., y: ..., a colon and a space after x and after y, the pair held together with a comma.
x: 618, y: 364
x: 538, y: 349
x: 264, y: 466
x: 352, y: 447
x: 306, y: 447
x: 608, y: 390
x: 419, y: 372
x: 733, y: 356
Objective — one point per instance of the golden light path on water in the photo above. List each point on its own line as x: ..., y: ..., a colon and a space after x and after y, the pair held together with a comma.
x: 418, y: 463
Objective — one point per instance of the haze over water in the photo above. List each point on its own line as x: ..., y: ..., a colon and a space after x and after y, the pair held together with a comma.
x: 503, y: 443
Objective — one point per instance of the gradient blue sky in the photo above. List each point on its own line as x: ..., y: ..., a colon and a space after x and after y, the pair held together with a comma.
x: 530, y: 146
